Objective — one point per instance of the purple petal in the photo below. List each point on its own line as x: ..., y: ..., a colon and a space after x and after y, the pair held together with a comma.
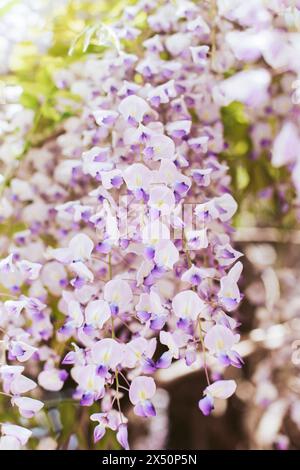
x: 149, y: 366
x: 145, y: 409
x: 149, y: 408
x: 224, y: 359
x: 164, y: 361
x: 181, y: 188
x: 143, y: 316
x: 87, y: 399
x: 88, y: 329
x: 63, y: 375
x: 117, y: 181
x: 124, y: 243
x: 183, y: 323
x: 114, y: 309
x: 122, y: 436
x: 102, y: 371
x: 149, y: 252
x: 195, y: 279
x: 69, y: 358
x: 190, y: 357
x: 99, y: 432
x: 66, y: 329
x: 235, y: 359
x: 103, y: 247
x: 206, y: 405
x: 158, y: 323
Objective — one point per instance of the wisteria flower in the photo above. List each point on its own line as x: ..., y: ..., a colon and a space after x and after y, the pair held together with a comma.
x: 133, y: 109
x: 111, y: 420
x: 220, y: 340
x: 142, y: 389
x: 97, y: 313
x: 90, y: 384
x: 188, y: 305
x: 79, y: 249
x: 229, y: 293
x: 28, y: 407
x: 13, y: 437
x: 52, y: 379
x: 118, y: 294
x: 107, y: 354
x: 220, y: 389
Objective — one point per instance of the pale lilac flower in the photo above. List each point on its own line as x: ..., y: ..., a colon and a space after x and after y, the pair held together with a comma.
x: 21, y: 351
x: 54, y: 277
x: 286, y: 148
x: 20, y: 384
x: 220, y: 389
x: 201, y: 177
x: 15, y: 307
x: 227, y: 255
x: 162, y: 93
x: 122, y: 436
x: 198, y: 26
x: 160, y: 147
x: 150, y: 306
x: 79, y: 249
x: 173, y: 341
x: 107, y: 354
x: 229, y: 293
x: 97, y: 312
x: 137, y: 350
x: 114, y: 421
x: 166, y: 254
x: 162, y: 199
x: 96, y: 160
x: 199, y: 55
x: 220, y: 340
x: 225, y: 206
x: 13, y: 381
x: 28, y: 407
x: 179, y: 129
x: 52, y: 379
x: 137, y: 177
x: 111, y: 179
x: 197, y: 239
x: 104, y: 117
x: 195, y: 275
x: 7, y: 264
x: 169, y: 174
x: 100, y: 429
x: 90, y: 383
x: 133, y: 109
x: 75, y: 316
x: 188, y: 305
x: 29, y: 270
x: 13, y: 436
x: 83, y: 273
x: 249, y: 87
x: 142, y: 389
x: 22, y: 189
x: 118, y: 294
x: 246, y: 14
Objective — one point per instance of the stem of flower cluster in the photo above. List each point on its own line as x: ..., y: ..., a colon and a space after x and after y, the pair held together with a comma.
x: 113, y: 337
x: 186, y: 251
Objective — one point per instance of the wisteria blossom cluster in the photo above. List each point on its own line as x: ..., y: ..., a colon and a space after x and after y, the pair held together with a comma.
x: 271, y: 390
x: 117, y: 257
x: 264, y: 38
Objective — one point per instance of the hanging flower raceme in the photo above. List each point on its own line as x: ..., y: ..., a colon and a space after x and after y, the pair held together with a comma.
x: 128, y: 229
